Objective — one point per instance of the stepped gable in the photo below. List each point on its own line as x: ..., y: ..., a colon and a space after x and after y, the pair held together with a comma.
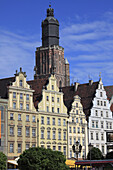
x: 4, y: 83
x: 109, y: 91
x: 38, y: 85
x: 85, y: 91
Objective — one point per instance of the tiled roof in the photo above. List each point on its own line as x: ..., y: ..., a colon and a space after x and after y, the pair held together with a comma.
x: 38, y: 85
x: 109, y: 91
x: 85, y: 91
x: 3, y: 86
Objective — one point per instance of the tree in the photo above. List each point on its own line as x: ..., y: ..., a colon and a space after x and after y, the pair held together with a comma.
x: 109, y: 155
x: 96, y: 154
x: 3, y: 159
x: 42, y: 159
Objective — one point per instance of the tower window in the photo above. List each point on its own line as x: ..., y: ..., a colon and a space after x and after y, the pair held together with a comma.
x: 20, y: 83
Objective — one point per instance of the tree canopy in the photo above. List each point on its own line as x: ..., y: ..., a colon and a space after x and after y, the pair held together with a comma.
x: 42, y: 159
x: 96, y: 154
x: 3, y: 159
x: 109, y: 155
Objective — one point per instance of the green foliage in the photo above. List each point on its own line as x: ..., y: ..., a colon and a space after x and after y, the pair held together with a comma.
x: 109, y: 155
x: 3, y: 159
x: 42, y: 159
x: 96, y: 154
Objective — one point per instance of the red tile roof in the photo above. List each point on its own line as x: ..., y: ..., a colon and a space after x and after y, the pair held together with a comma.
x: 85, y: 91
x: 109, y: 91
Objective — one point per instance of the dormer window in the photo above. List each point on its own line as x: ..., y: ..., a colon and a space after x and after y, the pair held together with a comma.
x: 20, y: 83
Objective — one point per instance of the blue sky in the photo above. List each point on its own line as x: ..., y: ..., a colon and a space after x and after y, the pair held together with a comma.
x: 86, y: 33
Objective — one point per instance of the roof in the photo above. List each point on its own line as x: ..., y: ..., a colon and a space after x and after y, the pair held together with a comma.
x: 3, y: 86
x: 109, y: 91
x: 85, y: 91
x: 37, y: 86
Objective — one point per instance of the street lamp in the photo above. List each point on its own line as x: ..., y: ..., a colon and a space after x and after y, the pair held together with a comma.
x: 77, y: 149
x: 90, y: 147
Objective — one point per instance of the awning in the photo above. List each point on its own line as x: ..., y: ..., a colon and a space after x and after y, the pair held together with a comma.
x: 13, y: 162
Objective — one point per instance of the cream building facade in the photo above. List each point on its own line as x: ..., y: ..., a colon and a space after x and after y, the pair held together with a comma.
x: 22, y: 116
x: 53, y: 118
x: 77, y: 129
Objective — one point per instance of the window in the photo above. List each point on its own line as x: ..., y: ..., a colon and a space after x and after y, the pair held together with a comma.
x: 101, y: 103
x: 107, y: 126
x: 70, y: 141
x: 97, y: 136
x: 48, y: 134
x: 47, y: 108
x: 76, y: 104
x: 72, y: 119
x: 33, y: 145
x: 100, y: 86
x: 42, y: 120
x: 104, y: 103
x: 27, y: 146
x: 102, y: 136
x: 83, y: 130
x: 11, y: 116
x: 103, y: 149
x: 83, y: 142
x: 27, y: 107
x: 42, y: 134
x: 106, y: 114
x: 48, y: 146
x: 19, y: 148
x: 2, y: 128
x: 77, y: 120
x: 64, y: 135
x: 11, y: 147
x: 52, y: 87
x: 48, y: 120
x: 102, y: 126
x: 53, y: 109
x: 11, y: 130
x: 2, y: 112
x: 81, y: 120
x: 33, y: 119
x: 52, y: 99
x: 96, y: 112
x: 101, y: 113
x: 19, y: 117
x: 58, y: 100
x: 78, y: 130
x: 91, y: 135
x: 74, y: 140
x: 27, y: 96
x: 19, y: 131
x: 20, y: 83
x: 70, y: 153
x: 110, y: 125
x: 47, y: 98
x: 64, y: 122
x: 21, y: 96
x: 79, y: 140
x: 27, y: 118
x: 74, y: 130
x: 98, y: 102
x: 64, y: 150
x: 77, y: 112
x: 59, y: 148
x: 59, y: 135
x: 53, y: 121
x: 14, y: 105
x: 69, y: 129
x: 59, y: 122
x: 58, y: 110
x: 93, y: 124
x: 21, y: 106
x: 100, y: 94
x: 96, y: 124
x: 14, y: 94
x: 33, y: 132
x: 54, y: 135
x: 54, y: 148
x: 27, y: 131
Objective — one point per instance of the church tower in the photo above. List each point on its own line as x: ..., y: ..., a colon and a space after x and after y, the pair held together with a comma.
x: 50, y: 56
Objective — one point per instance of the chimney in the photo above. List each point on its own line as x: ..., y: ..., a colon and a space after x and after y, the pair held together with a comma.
x: 76, y: 86
x: 90, y: 82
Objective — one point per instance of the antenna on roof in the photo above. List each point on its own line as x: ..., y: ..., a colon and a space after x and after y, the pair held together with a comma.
x: 100, y: 76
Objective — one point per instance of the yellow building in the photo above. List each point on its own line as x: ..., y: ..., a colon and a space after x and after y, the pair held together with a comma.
x: 22, y: 116
x: 52, y: 117
x: 77, y: 129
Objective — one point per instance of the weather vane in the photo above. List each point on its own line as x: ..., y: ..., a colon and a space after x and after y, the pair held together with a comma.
x: 50, y: 3
x: 100, y: 74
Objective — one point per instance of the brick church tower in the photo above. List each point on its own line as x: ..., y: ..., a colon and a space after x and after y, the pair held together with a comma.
x: 50, y: 56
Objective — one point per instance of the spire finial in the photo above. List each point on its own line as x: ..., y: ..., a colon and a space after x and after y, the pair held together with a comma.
x: 50, y: 3
x: 100, y: 74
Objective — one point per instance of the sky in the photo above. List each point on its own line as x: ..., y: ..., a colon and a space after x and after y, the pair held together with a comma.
x: 86, y: 33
